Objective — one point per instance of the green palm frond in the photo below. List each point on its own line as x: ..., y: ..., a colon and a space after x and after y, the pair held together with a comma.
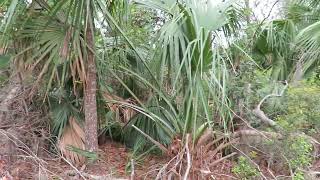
x: 61, y: 109
x: 276, y: 41
x: 153, y: 127
x: 308, y: 42
x: 303, y: 12
x: 194, y: 73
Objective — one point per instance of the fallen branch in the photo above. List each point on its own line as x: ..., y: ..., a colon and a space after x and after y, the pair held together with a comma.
x: 221, y: 159
x: 132, y: 170
x: 271, y: 135
x: 260, y: 114
x: 91, y: 176
x: 250, y: 132
x: 185, y: 177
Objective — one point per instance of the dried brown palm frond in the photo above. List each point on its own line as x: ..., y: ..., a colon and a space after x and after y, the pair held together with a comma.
x: 73, y: 135
x: 123, y: 113
x: 2, y: 50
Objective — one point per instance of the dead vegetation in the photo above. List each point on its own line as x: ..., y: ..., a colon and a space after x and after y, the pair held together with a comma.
x: 73, y: 135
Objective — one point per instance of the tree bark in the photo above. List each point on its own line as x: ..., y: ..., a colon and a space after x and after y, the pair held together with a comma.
x: 247, y: 16
x: 90, y: 102
x: 298, y: 74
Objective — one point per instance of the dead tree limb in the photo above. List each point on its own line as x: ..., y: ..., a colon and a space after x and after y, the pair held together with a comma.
x: 260, y: 114
x: 189, y: 163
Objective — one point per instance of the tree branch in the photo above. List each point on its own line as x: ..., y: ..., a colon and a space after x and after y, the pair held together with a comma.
x: 260, y: 114
x: 185, y: 177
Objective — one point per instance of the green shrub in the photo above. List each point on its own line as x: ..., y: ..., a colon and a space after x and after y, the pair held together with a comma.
x: 303, y: 109
x: 299, y: 152
x: 291, y: 152
x: 298, y: 176
x: 244, y: 170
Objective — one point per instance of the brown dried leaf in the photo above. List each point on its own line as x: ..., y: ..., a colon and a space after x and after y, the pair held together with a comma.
x: 73, y: 135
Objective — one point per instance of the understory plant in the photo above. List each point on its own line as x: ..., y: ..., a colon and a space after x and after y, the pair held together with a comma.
x: 183, y: 87
x: 302, y: 103
x: 244, y: 169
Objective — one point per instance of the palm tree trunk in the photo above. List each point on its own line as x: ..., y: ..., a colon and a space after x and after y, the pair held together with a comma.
x: 247, y: 16
x: 90, y: 102
x: 298, y: 73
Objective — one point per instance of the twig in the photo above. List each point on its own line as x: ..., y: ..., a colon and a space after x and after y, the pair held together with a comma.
x: 73, y: 167
x: 132, y: 170
x: 269, y: 14
x: 222, y: 146
x: 249, y: 132
x: 94, y: 177
x: 208, y: 146
x: 221, y: 159
x: 162, y: 170
x: 271, y: 173
x: 25, y: 149
x: 248, y: 125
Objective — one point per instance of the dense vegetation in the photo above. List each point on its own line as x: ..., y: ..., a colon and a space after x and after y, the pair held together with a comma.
x: 199, y: 82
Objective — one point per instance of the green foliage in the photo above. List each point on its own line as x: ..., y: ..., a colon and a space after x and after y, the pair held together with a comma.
x: 298, y: 176
x: 90, y: 156
x: 184, y: 76
x: 299, y: 152
x: 291, y: 153
x: 303, y: 109
x: 244, y: 169
x: 160, y: 126
x: 4, y: 61
x: 250, y: 87
x: 112, y: 128
x: 62, y: 106
x: 170, y: 60
x: 274, y: 43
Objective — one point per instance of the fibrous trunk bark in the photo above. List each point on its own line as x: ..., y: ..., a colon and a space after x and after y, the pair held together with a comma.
x: 90, y: 103
x: 298, y: 74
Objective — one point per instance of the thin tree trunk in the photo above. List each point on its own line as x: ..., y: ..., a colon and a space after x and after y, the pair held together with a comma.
x: 247, y: 16
x: 90, y: 102
x: 298, y: 74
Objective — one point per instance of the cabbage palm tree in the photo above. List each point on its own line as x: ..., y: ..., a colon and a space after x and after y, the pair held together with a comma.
x: 187, y: 74
x: 290, y: 45
x: 308, y: 43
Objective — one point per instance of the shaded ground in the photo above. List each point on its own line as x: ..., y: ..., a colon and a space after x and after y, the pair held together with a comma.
x: 113, y: 164
x: 114, y: 158
x: 113, y: 161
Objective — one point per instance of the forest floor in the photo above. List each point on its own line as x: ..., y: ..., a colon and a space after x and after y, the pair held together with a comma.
x: 113, y: 163
x: 26, y: 153
x: 32, y: 158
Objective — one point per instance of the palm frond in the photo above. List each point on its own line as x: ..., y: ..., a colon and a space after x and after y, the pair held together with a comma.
x: 276, y: 41
x: 72, y: 137
x: 309, y: 45
x: 193, y: 73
